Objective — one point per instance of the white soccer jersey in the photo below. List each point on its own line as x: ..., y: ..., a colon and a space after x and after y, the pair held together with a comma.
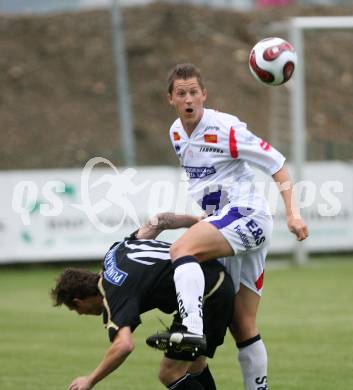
x: 215, y: 158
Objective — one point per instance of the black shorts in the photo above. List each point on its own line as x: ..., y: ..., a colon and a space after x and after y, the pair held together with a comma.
x: 217, y: 315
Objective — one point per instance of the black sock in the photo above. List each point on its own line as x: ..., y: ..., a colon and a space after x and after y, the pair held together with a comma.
x: 205, y: 378
x: 187, y: 382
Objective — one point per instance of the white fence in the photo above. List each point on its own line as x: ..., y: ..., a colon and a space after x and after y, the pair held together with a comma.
x: 64, y: 214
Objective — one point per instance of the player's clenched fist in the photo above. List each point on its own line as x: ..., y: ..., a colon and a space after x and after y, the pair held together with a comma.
x: 298, y: 227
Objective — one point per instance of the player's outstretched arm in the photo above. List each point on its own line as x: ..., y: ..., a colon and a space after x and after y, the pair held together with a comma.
x: 121, y: 347
x: 165, y: 221
x: 295, y: 222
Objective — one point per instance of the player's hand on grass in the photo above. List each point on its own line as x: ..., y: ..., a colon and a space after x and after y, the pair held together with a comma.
x: 81, y: 383
x: 297, y: 226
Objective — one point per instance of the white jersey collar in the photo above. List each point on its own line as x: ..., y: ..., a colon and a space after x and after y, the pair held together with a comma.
x: 200, y: 126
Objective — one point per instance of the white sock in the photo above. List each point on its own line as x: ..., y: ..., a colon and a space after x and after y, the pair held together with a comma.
x: 190, y: 285
x: 253, y: 363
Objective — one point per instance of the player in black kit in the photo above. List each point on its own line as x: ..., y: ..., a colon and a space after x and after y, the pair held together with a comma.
x: 137, y: 276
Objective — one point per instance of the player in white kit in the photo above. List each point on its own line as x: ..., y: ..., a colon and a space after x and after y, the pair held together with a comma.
x: 215, y: 148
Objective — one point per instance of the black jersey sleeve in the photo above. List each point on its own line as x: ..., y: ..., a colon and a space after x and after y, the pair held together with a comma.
x: 131, y: 281
x: 121, y: 308
x: 126, y: 314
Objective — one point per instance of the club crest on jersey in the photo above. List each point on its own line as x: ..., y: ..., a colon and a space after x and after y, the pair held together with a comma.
x: 176, y: 136
x: 112, y: 273
x: 210, y: 138
x: 190, y: 153
x: 199, y: 172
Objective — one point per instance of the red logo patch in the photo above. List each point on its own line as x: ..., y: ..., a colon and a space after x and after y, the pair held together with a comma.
x: 260, y: 281
x: 176, y: 136
x: 210, y: 138
x: 265, y: 146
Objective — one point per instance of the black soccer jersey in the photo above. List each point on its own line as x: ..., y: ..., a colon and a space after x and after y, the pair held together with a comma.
x: 137, y: 276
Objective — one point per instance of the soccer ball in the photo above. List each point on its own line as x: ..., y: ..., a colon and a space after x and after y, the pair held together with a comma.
x: 272, y: 61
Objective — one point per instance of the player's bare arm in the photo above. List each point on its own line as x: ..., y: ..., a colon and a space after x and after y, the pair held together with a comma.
x: 295, y: 222
x: 116, y: 354
x: 165, y: 221
x: 202, y: 240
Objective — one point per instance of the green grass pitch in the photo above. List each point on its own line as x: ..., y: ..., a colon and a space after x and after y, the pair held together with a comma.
x: 306, y: 320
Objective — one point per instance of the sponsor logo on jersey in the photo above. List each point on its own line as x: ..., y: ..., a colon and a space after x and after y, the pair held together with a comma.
x: 256, y: 232
x: 210, y: 149
x: 199, y: 172
x: 210, y: 138
x: 176, y: 136
x: 215, y: 128
x: 265, y: 146
x: 243, y: 237
x: 112, y: 273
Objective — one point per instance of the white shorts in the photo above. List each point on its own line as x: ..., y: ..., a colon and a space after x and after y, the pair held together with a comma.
x: 249, y: 233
